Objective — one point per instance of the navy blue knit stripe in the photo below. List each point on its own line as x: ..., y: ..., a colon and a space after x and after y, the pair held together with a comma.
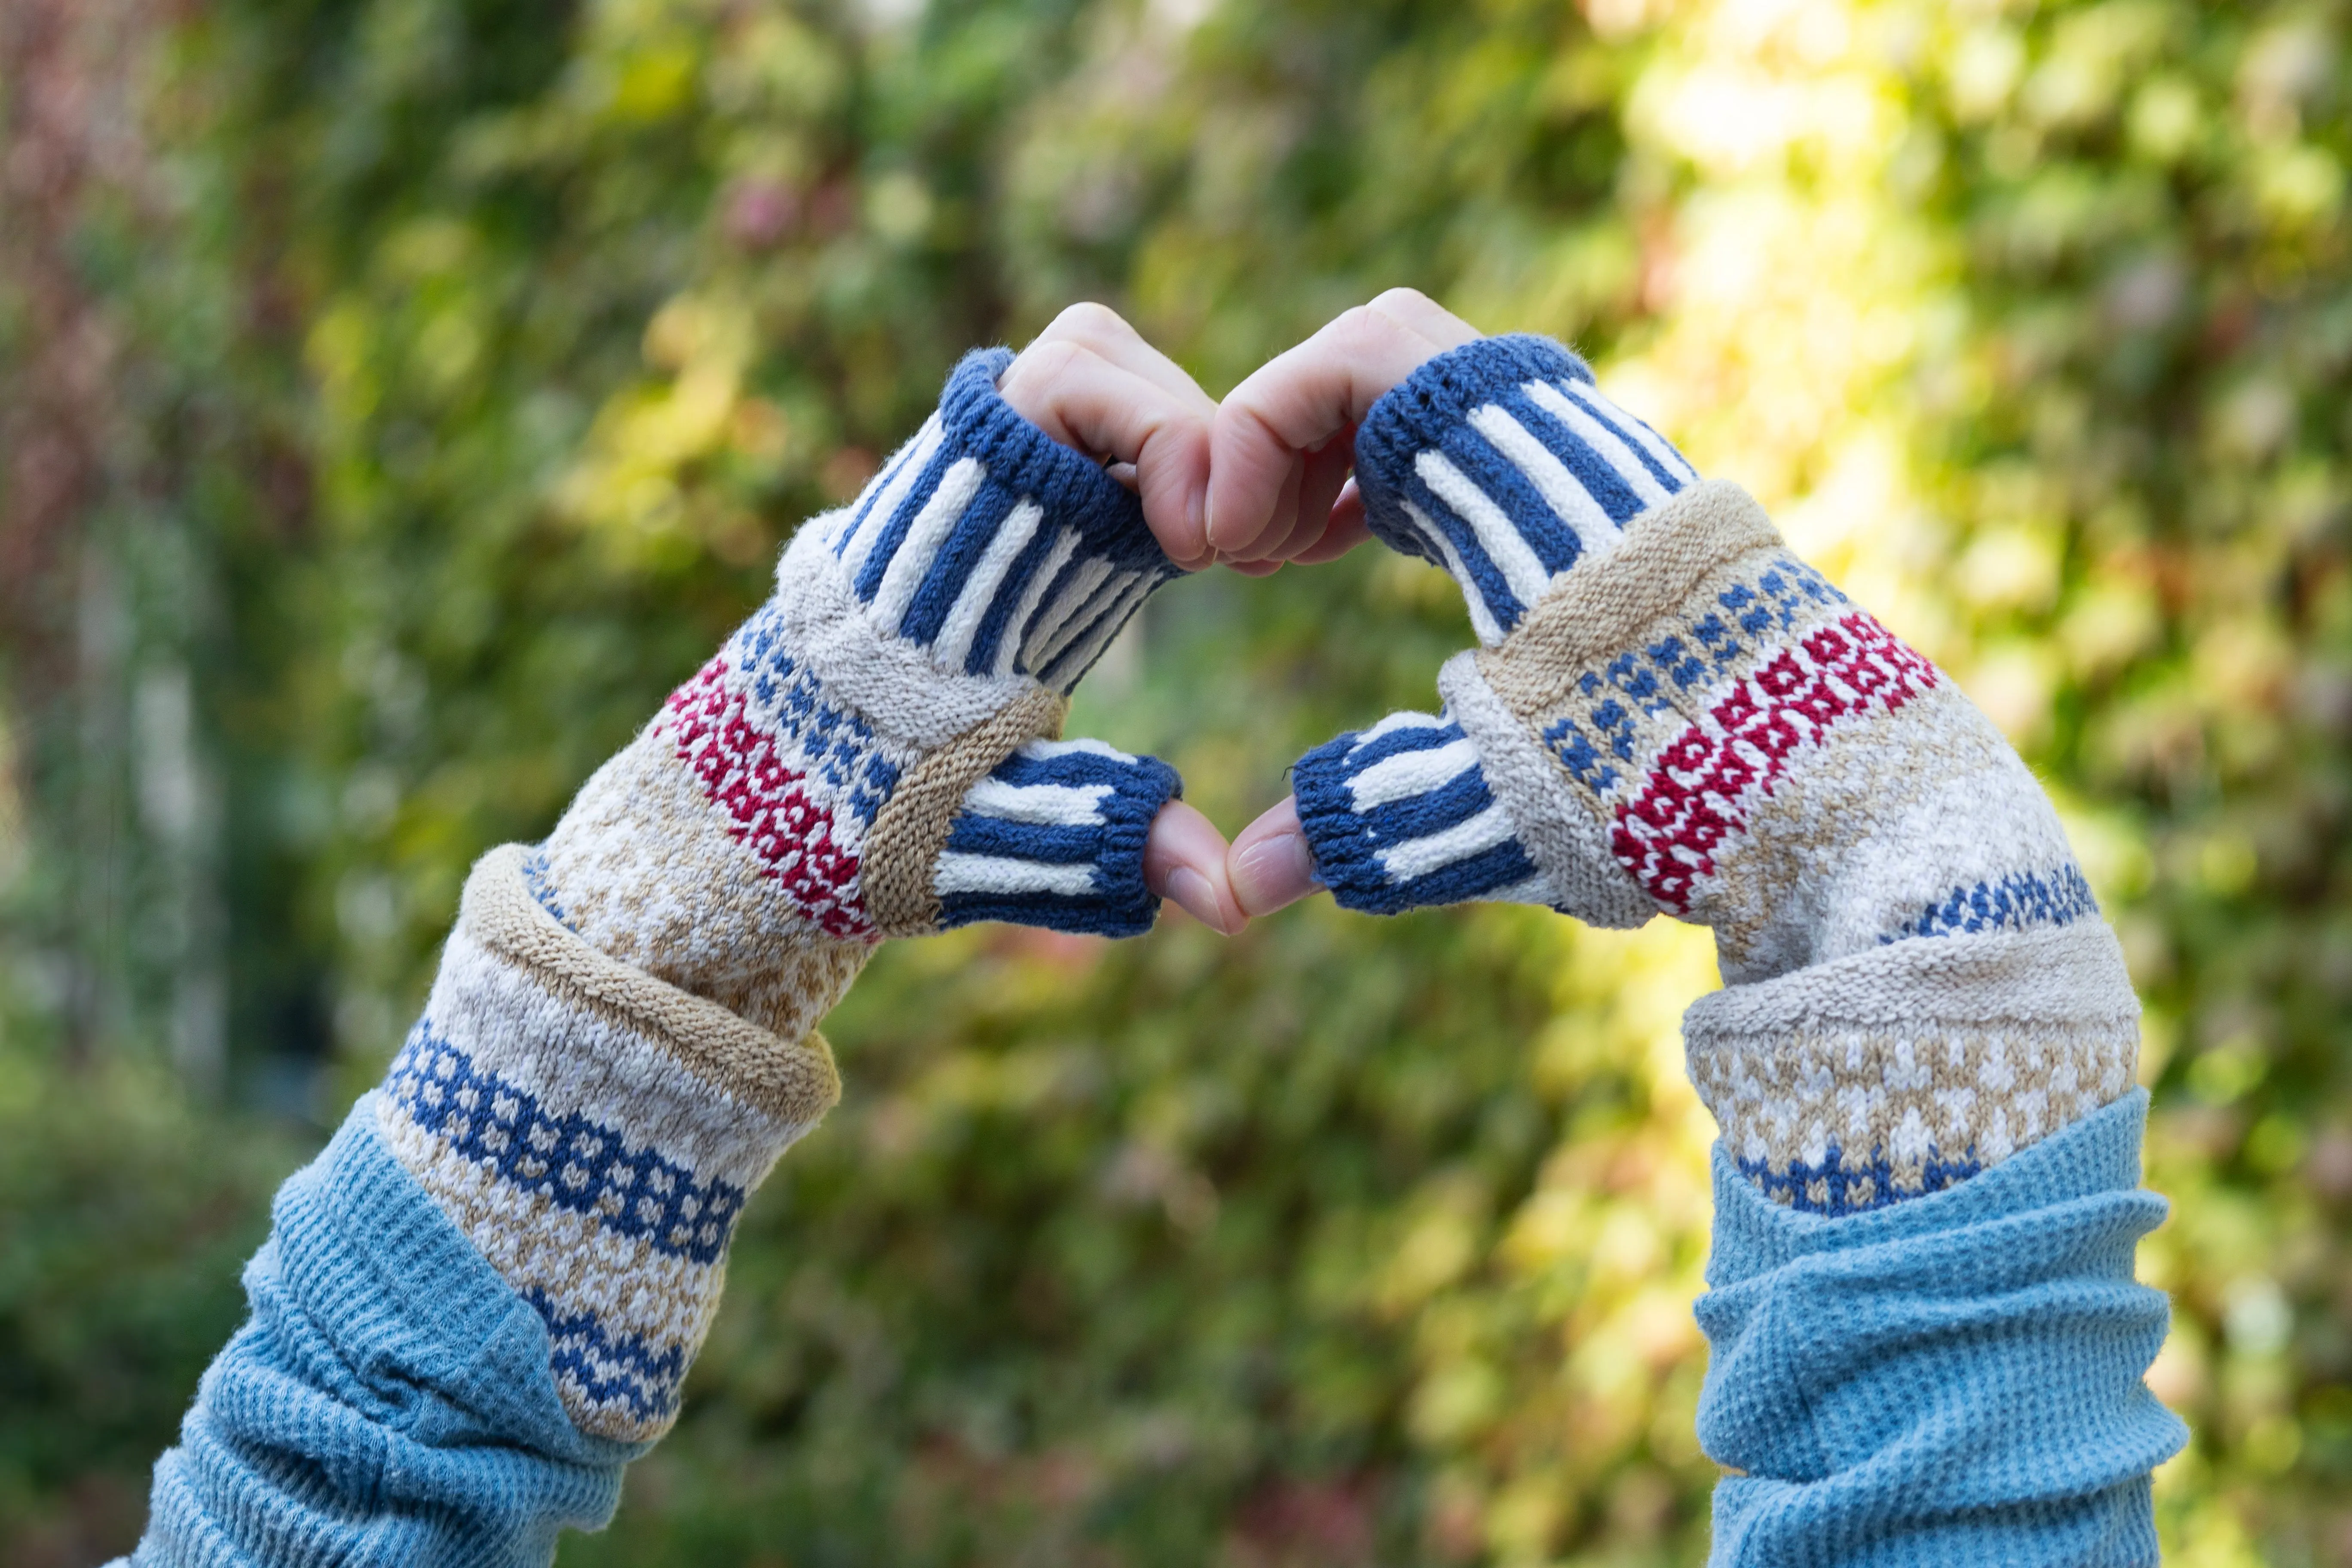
x: 572, y: 1161
x: 1617, y: 428
x: 1065, y: 671
x: 1592, y: 470
x: 1072, y: 767
x: 1554, y: 542
x: 1055, y: 589
x: 1485, y: 578
x: 953, y: 567
x: 623, y: 1368
x: 1450, y: 805
x: 1131, y: 913
x: 868, y: 581
x: 987, y: 643
x: 2022, y: 900
x: 1052, y: 845
x: 873, y: 493
x: 1396, y: 743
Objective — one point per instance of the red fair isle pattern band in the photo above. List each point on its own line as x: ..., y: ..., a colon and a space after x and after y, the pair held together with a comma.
x: 1668, y: 835
x: 772, y: 812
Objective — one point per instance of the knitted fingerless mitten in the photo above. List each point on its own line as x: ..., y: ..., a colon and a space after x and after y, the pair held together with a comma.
x: 1670, y: 711
x: 622, y: 1038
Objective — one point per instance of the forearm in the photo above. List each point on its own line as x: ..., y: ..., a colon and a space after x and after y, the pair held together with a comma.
x: 482, y: 1303
x: 1927, y: 1342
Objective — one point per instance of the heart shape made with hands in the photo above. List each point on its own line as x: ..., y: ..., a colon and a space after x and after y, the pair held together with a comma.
x: 1260, y: 479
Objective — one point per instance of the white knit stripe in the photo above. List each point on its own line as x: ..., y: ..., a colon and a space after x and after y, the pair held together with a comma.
x: 1505, y: 545
x: 1054, y: 805
x: 921, y: 547
x: 1008, y: 651
x: 1595, y: 529
x: 1658, y: 445
x: 1420, y: 856
x: 1534, y: 889
x: 1602, y: 439
x: 1046, y: 751
x: 953, y: 645
x: 917, y: 457
x: 1482, y: 619
x: 1409, y: 773
x: 1106, y: 625
x: 1391, y: 724
x: 962, y: 873
x: 1054, y: 628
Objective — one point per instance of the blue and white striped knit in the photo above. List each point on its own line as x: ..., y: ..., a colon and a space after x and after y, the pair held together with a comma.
x: 1669, y: 711
x: 1507, y: 468
x: 622, y: 1038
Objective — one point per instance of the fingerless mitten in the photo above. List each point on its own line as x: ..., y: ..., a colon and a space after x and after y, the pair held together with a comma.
x: 1672, y: 712
x: 622, y: 1038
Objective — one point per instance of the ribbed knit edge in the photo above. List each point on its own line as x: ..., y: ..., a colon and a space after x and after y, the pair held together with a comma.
x: 1075, y: 491
x: 1120, y: 904
x: 1415, y: 415
x: 1343, y: 851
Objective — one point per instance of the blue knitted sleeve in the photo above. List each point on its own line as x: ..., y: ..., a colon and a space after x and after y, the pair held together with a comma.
x: 389, y: 1404
x: 1954, y: 1381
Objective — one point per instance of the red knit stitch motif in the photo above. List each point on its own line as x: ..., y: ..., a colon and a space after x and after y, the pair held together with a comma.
x: 1668, y: 836
x: 772, y: 812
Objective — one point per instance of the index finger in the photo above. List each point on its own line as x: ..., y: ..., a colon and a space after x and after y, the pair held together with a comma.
x: 1305, y: 395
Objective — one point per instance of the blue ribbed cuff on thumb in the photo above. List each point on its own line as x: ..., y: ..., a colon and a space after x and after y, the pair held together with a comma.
x: 1955, y: 1380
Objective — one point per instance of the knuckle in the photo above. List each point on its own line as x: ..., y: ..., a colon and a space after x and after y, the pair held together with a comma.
x: 1089, y: 319
x: 1410, y: 301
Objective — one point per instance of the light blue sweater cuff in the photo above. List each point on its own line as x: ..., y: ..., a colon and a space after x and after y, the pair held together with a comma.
x: 1955, y: 1380
x: 389, y: 1401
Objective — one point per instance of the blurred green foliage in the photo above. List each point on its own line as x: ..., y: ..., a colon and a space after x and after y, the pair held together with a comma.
x: 463, y: 364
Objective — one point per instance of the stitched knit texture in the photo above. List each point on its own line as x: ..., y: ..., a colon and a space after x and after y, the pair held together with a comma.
x: 388, y: 1402
x: 621, y: 1041
x: 1670, y: 711
x: 1952, y: 1381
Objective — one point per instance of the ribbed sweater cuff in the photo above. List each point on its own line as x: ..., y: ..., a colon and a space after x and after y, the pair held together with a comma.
x: 995, y: 547
x: 1956, y: 1380
x: 1500, y: 461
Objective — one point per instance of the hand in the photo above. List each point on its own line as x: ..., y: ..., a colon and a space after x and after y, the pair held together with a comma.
x: 1282, y: 444
x: 1090, y: 381
x: 1284, y: 437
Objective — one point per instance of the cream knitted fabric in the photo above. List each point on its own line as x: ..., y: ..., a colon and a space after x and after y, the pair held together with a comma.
x: 1673, y: 712
x: 622, y: 1038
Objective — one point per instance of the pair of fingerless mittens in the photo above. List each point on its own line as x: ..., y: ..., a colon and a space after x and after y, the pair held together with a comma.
x: 622, y: 1038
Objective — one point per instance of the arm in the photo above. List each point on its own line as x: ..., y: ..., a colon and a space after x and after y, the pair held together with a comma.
x: 1927, y: 1346
x: 479, y: 1303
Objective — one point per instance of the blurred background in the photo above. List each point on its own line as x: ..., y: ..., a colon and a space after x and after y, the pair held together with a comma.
x: 397, y: 396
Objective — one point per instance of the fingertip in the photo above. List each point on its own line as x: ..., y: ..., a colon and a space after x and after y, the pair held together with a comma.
x: 1270, y: 864
x: 1184, y: 860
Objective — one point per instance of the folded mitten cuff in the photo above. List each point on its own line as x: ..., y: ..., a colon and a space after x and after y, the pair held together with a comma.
x: 594, y: 1132
x: 1501, y: 461
x: 1909, y: 1067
